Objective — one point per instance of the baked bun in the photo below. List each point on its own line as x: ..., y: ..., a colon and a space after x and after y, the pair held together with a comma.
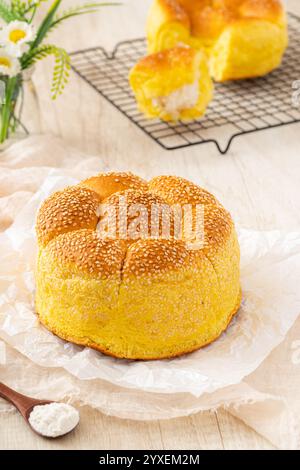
x: 138, y: 295
x: 172, y: 84
x: 244, y: 38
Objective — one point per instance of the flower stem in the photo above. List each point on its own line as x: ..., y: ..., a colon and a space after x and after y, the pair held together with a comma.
x: 33, y: 14
x: 7, y: 108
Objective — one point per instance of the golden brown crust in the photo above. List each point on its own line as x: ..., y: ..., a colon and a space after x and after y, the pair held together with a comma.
x: 180, y: 56
x: 217, y: 222
x: 72, y: 209
x: 234, y: 9
x: 75, y: 213
x: 173, y: 11
x: 139, y: 208
x: 106, y: 184
x: 154, y: 257
x: 218, y: 226
x: 135, y: 196
x: 89, y: 253
x: 261, y: 9
x: 105, y: 351
x: 209, y: 17
x: 177, y: 190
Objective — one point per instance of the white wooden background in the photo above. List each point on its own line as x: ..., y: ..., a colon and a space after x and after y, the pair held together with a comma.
x: 88, y: 122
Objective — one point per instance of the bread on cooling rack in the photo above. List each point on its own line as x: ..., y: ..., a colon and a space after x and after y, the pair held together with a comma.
x: 173, y: 84
x: 135, y: 297
x: 244, y: 38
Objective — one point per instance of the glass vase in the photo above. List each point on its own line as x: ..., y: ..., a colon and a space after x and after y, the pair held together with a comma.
x: 19, y: 108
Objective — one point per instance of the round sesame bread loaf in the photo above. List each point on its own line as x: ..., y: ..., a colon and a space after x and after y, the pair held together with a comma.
x: 150, y: 288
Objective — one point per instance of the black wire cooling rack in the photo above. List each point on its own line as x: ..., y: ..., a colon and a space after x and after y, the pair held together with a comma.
x: 238, y: 108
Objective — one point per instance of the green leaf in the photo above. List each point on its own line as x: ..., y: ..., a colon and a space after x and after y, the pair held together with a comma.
x: 6, y: 12
x: 32, y: 3
x: 18, y: 7
x: 80, y: 10
x: 61, y: 68
x: 46, y: 24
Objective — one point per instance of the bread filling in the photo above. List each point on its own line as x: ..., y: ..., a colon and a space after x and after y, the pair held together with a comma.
x: 185, y: 97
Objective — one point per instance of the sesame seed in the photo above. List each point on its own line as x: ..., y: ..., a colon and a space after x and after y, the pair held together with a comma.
x: 68, y: 219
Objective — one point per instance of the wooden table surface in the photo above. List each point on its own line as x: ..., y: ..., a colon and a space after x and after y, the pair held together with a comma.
x: 88, y: 122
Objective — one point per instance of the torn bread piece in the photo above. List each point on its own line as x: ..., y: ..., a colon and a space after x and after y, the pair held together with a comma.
x: 173, y: 85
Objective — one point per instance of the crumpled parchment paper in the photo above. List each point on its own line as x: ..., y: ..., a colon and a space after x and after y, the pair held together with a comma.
x: 205, y: 379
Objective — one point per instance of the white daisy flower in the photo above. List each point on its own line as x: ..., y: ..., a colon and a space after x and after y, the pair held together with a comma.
x: 15, y: 35
x: 9, y: 65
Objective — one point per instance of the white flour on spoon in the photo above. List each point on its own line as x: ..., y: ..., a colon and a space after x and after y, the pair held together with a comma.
x: 53, y: 419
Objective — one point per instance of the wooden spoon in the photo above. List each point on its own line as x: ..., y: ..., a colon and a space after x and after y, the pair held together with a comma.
x: 23, y: 403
